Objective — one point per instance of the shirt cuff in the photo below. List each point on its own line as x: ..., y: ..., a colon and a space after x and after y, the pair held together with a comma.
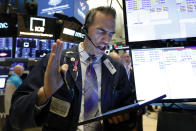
x: 39, y: 108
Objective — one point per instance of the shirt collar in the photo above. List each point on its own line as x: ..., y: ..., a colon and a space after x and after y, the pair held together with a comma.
x: 84, y: 55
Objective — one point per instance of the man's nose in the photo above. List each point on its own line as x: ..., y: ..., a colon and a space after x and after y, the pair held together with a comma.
x: 107, y: 38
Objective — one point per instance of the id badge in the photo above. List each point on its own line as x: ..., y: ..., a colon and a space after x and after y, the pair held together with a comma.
x: 59, y: 107
x: 110, y: 66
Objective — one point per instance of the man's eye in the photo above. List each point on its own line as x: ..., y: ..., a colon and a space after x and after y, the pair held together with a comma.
x: 100, y: 31
x: 111, y: 34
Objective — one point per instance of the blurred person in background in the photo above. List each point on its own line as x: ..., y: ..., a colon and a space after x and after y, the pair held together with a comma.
x: 13, y: 82
x: 126, y: 61
x: 115, y: 55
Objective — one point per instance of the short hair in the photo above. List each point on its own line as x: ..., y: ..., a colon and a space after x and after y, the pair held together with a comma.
x: 18, y: 69
x: 125, y: 53
x: 115, y: 55
x: 103, y: 9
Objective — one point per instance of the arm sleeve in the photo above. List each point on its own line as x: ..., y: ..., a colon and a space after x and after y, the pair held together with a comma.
x: 123, y: 97
x: 10, y: 89
x: 23, y: 113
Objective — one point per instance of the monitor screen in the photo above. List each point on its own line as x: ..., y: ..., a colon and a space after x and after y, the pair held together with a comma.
x: 170, y: 71
x: 6, y: 47
x: 48, y: 8
x: 71, y: 32
x: 147, y: 20
x: 8, y: 24
x: 68, y: 45
x: 36, y: 27
x: 32, y: 47
x: 76, y: 9
x: 2, y: 82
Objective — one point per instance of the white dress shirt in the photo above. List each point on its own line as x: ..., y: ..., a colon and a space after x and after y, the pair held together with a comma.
x: 97, y: 66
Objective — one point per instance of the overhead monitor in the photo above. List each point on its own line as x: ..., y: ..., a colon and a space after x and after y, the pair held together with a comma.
x: 170, y: 71
x: 36, y: 27
x: 48, y: 8
x: 8, y: 24
x: 32, y: 47
x: 147, y: 20
x: 6, y: 47
x: 76, y: 9
x: 71, y: 32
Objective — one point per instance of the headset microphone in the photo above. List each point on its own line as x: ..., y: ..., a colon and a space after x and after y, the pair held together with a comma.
x: 84, y: 30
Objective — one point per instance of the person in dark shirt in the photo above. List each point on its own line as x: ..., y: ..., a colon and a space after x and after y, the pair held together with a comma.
x: 55, y: 94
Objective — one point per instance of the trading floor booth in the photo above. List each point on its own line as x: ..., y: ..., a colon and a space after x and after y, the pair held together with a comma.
x: 176, y: 121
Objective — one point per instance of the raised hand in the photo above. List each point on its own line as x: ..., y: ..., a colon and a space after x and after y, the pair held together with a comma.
x: 52, y: 77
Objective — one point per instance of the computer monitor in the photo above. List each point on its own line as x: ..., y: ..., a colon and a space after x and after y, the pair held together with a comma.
x: 68, y: 45
x: 32, y: 47
x: 3, y: 77
x: 8, y: 23
x: 147, y: 20
x: 170, y: 71
x: 36, y: 27
x: 71, y: 32
x: 6, y: 47
x: 2, y: 82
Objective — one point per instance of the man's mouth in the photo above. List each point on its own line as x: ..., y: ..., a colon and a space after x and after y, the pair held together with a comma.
x: 102, y: 48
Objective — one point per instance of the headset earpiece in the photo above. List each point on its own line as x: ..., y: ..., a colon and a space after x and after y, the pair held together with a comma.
x: 84, y: 30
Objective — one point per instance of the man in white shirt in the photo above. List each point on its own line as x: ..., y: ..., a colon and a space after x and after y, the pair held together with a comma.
x: 126, y: 60
x: 54, y: 94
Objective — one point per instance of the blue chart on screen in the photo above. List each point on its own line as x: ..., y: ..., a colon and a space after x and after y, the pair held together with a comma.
x: 32, y: 47
x: 36, y: 48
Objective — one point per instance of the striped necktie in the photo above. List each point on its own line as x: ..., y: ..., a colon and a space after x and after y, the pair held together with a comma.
x: 91, y: 98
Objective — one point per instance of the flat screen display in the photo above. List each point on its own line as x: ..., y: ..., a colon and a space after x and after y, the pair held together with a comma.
x: 2, y: 82
x: 48, y: 7
x: 6, y: 47
x: 68, y: 45
x: 147, y: 20
x: 3, y: 79
x: 36, y: 27
x: 71, y: 32
x: 32, y: 47
x: 8, y: 23
x: 170, y: 71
